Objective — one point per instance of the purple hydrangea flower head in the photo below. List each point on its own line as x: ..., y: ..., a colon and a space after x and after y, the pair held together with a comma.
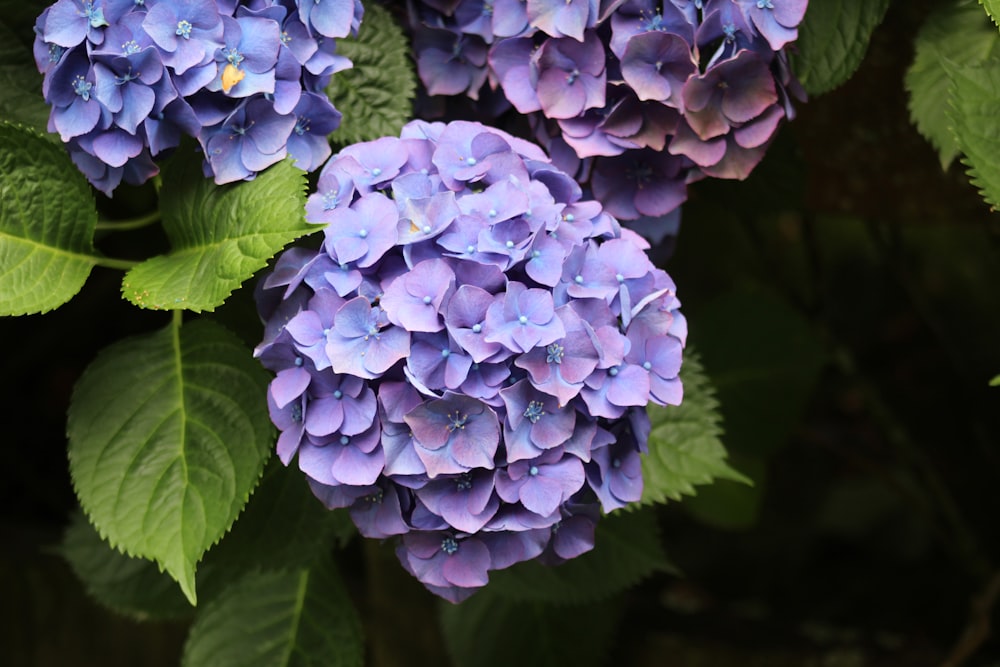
x: 454, y: 363
x: 607, y: 83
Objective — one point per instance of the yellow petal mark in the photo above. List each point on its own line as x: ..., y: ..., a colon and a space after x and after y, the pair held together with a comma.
x: 231, y: 76
x: 413, y: 227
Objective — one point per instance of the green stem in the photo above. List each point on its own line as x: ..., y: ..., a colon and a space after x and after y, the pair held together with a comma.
x: 134, y: 223
x: 178, y: 319
x: 112, y: 263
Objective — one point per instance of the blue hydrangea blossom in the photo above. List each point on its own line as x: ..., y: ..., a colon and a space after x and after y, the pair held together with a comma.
x: 466, y: 360
x: 126, y: 80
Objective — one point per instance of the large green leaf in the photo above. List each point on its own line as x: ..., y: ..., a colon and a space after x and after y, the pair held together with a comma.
x: 376, y: 95
x: 47, y: 220
x: 958, y: 32
x: 627, y: 549
x: 168, y: 434
x: 22, y: 101
x: 833, y: 39
x: 219, y: 235
x: 283, y: 526
x: 488, y: 630
x: 132, y: 586
x: 975, y: 108
x: 765, y: 375
x: 278, y: 619
x: 684, y: 444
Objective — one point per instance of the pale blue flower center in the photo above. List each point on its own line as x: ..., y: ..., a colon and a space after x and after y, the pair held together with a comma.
x: 338, y: 394
x: 572, y: 77
x: 523, y: 319
x: 82, y: 88
x: 363, y: 233
x: 765, y: 4
x: 555, y: 353
x: 233, y: 56
x: 302, y: 126
x: 457, y: 421
x: 647, y: 365
x: 477, y: 328
x: 449, y: 545
x: 613, y: 371
x: 298, y: 361
x: 427, y: 300
x: 533, y: 470
x: 534, y: 411
x: 344, y: 440
x: 463, y: 482
x: 376, y: 172
x: 330, y: 200
x: 130, y: 47
x: 184, y: 29
x: 445, y: 353
x: 296, y: 413
x: 125, y: 78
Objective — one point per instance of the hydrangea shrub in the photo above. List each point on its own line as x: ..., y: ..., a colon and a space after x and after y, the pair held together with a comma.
x: 464, y: 355
x: 466, y: 360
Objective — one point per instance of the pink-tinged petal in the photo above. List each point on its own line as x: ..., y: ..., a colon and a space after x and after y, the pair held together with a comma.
x: 325, y: 415
x: 761, y: 130
x: 468, y: 566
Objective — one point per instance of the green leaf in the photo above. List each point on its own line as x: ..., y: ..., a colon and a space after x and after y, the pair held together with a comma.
x: 958, y: 32
x: 684, y: 444
x: 283, y: 526
x: 220, y: 235
x: 728, y: 504
x: 132, y: 586
x: 488, y: 630
x: 47, y: 220
x: 22, y: 101
x: 833, y: 39
x: 168, y: 434
x: 278, y: 619
x: 992, y: 8
x: 627, y: 549
x: 376, y: 95
x: 975, y: 107
x: 995, y: 382
x: 763, y: 377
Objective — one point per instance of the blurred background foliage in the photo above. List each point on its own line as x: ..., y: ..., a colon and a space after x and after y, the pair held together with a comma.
x: 844, y: 303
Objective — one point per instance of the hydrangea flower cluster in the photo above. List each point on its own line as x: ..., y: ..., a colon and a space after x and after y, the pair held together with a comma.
x: 648, y: 94
x: 466, y: 361
x: 127, y: 78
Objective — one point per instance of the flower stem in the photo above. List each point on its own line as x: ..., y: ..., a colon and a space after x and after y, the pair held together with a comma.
x: 133, y: 223
x: 112, y: 263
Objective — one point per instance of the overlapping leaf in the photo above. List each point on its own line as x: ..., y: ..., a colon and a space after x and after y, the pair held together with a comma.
x: 975, y: 108
x: 684, y: 445
x: 219, y: 235
x: 278, y: 619
x: 488, y: 630
x: 22, y: 101
x: 47, y: 221
x: 992, y: 8
x: 958, y: 32
x: 283, y: 526
x: 132, y: 586
x: 627, y: 549
x: 833, y: 40
x: 376, y: 95
x: 167, y: 437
